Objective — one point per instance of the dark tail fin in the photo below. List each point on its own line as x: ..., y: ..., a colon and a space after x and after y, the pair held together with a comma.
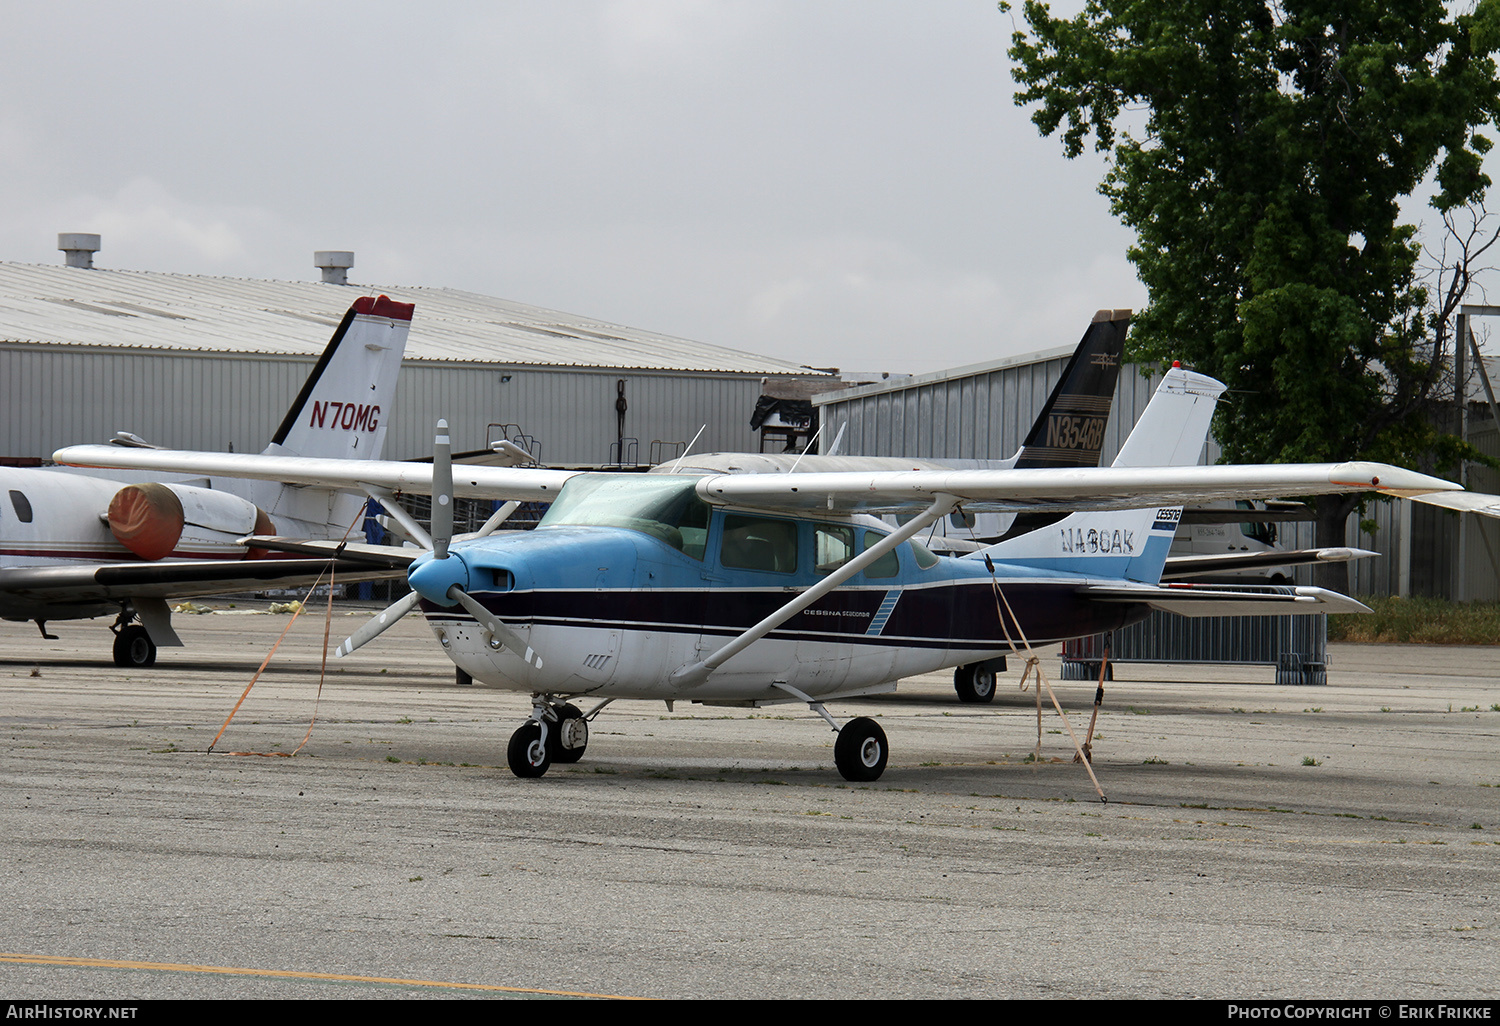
x: 1070, y: 430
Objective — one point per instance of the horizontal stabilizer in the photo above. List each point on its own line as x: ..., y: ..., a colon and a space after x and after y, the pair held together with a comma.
x: 1228, y: 600
x: 1469, y: 502
x: 1179, y: 567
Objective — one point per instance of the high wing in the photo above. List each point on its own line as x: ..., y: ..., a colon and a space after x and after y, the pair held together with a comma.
x: 1082, y: 488
x: 520, y: 483
x: 1086, y: 488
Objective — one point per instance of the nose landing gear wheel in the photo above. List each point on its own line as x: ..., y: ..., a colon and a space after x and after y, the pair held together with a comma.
x: 572, y: 734
x: 861, y: 750
x: 527, y: 755
x: 974, y: 683
x: 134, y: 647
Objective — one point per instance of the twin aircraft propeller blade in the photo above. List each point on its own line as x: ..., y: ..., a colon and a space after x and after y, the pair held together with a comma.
x: 442, y: 536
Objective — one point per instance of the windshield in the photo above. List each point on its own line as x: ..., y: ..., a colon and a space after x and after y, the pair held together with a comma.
x: 666, y: 508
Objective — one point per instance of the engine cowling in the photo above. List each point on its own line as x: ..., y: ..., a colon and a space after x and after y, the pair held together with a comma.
x: 154, y: 520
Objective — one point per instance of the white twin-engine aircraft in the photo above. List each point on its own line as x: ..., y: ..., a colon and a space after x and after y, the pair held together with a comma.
x: 705, y: 585
x: 76, y: 546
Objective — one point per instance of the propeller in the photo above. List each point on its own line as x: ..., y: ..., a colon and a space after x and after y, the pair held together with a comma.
x: 442, y: 492
x: 429, y: 578
x: 373, y: 628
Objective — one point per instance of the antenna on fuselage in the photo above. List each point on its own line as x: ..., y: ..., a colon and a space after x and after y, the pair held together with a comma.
x: 678, y: 462
x: 833, y: 450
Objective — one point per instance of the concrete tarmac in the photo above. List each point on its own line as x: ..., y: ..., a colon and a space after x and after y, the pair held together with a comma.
x: 1258, y: 842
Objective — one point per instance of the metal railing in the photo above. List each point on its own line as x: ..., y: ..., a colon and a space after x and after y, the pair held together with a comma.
x: 1296, y: 645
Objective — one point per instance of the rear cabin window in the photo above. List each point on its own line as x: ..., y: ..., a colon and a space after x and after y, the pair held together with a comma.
x: 832, y: 547
x: 22, y: 506
x: 926, y: 558
x: 757, y: 543
x: 886, y: 565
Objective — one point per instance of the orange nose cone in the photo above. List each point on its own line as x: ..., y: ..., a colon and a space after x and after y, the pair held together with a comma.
x: 263, y: 526
x: 146, y: 519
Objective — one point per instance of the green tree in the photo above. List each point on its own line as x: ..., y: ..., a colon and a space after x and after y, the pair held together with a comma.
x: 1260, y: 151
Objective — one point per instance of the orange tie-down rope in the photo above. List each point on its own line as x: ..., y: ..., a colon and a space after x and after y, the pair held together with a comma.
x: 1034, y: 663
x: 322, y: 668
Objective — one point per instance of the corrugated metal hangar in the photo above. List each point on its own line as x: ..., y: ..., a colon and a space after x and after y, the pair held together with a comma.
x: 982, y: 411
x: 213, y: 363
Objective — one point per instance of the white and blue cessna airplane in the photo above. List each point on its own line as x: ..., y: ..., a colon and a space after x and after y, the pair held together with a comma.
x: 732, y: 582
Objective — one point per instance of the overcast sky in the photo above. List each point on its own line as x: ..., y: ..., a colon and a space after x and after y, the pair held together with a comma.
x: 835, y: 182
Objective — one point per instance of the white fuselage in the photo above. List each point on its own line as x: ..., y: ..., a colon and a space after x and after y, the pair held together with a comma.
x: 54, y: 518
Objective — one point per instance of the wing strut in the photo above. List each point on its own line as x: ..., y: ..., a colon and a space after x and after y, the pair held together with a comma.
x: 397, y: 512
x: 696, y: 673
x: 497, y: 518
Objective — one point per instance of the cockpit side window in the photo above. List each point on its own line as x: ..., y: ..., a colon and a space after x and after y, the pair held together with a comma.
x: 758, y: 543
x: 22, y: 506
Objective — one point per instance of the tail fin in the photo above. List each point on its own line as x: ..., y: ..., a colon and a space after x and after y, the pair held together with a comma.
x: 1128, y: 544
x: 340, y: 413
x: 342, y: 409
x: 1070, y: 430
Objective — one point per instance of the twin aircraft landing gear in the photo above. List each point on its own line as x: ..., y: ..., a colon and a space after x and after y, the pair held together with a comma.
x: 976, y: 681
x: 557, y: 732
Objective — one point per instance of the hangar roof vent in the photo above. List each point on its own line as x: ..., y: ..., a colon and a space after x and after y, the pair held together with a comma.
x: 335, y: 264
x: 79, y: 246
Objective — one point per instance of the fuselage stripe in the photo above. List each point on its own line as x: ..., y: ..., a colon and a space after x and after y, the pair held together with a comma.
x: 884, y: 612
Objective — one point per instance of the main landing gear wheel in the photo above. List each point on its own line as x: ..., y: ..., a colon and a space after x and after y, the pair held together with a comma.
x: 974, y: 683
x: 571, y: 733
x: 527, y: 755
x: 134, y: 647
x: 860, y: 751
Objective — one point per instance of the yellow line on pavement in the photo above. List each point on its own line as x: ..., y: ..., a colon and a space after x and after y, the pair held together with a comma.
x: 290, y: 974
